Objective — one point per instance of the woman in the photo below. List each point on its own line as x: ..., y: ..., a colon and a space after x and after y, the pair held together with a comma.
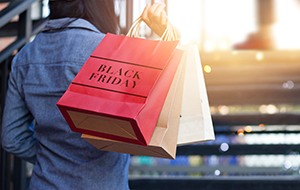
x: 41, y: 72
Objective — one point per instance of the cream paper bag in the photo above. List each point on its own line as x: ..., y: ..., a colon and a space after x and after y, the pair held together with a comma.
x: 195, y: 122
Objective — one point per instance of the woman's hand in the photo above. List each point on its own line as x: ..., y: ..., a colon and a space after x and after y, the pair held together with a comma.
x: 155, y: 17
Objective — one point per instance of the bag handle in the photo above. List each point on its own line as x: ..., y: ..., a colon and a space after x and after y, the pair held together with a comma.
x: 170, y: 34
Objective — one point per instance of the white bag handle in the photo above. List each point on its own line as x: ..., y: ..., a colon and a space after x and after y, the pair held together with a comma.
x: 170, y: 34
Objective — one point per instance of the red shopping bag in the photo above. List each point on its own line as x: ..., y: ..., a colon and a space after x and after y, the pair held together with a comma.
x: 116, y: 94
x: 163, y: 142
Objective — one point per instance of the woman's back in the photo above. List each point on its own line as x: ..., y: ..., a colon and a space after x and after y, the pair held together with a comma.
x: 41, y: 73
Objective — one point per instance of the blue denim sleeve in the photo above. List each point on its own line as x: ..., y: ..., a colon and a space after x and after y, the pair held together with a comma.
x: 16, y: 135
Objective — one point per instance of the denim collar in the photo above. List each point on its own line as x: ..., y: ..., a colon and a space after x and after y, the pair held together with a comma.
x: 57, y: 24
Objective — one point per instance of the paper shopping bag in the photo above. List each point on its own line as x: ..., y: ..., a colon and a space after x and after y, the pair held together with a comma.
x: 195, y: 122
x: 163, y: 142
x: 119, y: 92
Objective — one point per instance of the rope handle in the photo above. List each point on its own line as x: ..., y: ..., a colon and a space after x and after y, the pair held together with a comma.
x: 170, y: 34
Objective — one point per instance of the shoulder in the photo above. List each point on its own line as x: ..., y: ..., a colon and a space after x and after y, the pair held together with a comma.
x: 73, y: 44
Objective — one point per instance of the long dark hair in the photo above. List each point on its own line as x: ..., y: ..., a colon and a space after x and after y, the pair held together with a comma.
x: 101, y: 13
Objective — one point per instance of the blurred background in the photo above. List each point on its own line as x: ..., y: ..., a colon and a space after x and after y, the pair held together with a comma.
x: 250, y: 55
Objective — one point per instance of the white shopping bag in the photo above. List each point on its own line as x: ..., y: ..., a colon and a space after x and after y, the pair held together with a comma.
x: 195, y: 122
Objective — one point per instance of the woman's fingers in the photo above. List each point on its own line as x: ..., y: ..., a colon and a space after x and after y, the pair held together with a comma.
x: 155, y: 17
x: 145, y: 17
x: 155, y: 12
x: 164, y: 19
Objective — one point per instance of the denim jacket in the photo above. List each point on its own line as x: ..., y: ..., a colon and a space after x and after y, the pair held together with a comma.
x: 41, y: 73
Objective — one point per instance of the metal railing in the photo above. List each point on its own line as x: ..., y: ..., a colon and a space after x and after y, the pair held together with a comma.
x: 239, y: 82
x: 13, y: 169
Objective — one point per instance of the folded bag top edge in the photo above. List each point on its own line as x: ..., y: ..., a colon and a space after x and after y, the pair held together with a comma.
x: 112, y: 49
